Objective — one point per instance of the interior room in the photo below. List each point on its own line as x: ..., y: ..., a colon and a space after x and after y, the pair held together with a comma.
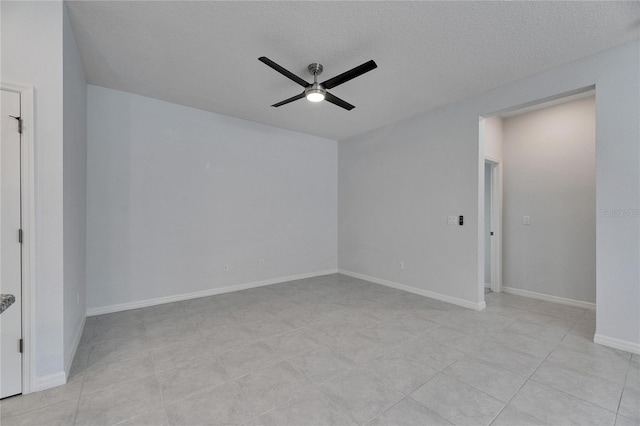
x: 319, y: 213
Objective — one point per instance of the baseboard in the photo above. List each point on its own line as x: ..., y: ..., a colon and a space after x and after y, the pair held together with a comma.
x: 430, y: 294
x: 49, y: 381
x: 76, y: 343
x: 550, y: 298
x: 612, y: 342
x: 204, y: 293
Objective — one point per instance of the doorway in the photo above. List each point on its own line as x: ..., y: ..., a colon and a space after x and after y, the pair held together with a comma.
x: 546, y: 152
x: 10, y: 244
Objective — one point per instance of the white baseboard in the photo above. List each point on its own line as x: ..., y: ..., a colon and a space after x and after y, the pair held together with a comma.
x: 76, y: 343
x: 60, y: 378
x: 430, y: 294
x: 612, y: 342
x: 49, y: 381
x: 210, y: 292
x: 550, y: 298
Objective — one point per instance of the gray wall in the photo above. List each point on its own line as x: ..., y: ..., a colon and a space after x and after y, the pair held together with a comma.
x: 177, y: 193
x: 549, y: 174
x: 32, y: 55
x: 397, y: 185
x: 74, y: 191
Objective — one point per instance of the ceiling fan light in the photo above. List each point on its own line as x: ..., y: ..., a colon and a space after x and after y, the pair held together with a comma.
x: 315, y: 92
x: 315, y: 96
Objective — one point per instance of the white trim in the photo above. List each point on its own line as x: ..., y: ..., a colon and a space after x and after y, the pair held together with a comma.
x: 481, y: 188
x: 612, y: 342
x: 27, y: 170
x: 550, y: 298
x: 49, y: 381
x: 430, y: 294
x: 496, y: 223
x: 210, y: 292
x: 571, y: 96
x: 74, y: 345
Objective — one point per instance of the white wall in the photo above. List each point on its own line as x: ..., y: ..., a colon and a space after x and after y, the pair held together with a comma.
x: 74, y: 191
x: 175, y: 194
x: 32, y: 55
x: 549, y: 174
x: 397, y: 185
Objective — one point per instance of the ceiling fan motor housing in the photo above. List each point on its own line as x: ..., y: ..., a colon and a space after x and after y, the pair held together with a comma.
x: 315, y: 69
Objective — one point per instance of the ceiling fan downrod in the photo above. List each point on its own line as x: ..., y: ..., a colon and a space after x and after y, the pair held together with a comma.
x: 315, y: 92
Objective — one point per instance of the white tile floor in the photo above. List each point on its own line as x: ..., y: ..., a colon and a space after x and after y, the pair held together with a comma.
x: 335, y: 350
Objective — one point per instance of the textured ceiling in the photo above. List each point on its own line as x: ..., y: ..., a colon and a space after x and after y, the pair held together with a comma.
x: 205, y: 54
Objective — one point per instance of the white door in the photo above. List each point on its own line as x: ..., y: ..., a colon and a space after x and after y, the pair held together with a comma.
x: 10, y: 249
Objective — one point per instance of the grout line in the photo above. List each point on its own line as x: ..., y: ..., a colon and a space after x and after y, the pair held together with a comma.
x: 527, y: 381
x: 574, y: 396
x: 584, y: 372
x: 471, y: 386
x: 244, y: 395
x: 81, y: 387
x: 384, y: 411
x: 520, y: 388
x: 162, y: 397
x: 509, y: 402
x: 166, y: 414
x: 559, y: 390
x: 624, y: 385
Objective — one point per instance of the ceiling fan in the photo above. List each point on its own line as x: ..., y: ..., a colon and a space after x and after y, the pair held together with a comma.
x: 317, y: 92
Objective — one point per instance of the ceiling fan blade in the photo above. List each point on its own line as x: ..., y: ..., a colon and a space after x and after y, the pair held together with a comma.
x: 283, y: 71
x: 349, y: 75
x: 291, y: 99
x: 337, y: 101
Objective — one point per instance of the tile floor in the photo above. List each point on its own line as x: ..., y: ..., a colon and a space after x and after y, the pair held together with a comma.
x: 336, y: 350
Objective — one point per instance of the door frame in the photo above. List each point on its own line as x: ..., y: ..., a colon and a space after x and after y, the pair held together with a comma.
x: 27, y: 217
x: 496, y: 223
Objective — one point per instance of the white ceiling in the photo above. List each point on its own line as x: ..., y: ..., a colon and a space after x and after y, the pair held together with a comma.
x: 205, y: 54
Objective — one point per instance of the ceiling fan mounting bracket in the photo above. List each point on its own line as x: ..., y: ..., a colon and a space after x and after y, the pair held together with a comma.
x: 315, y: 69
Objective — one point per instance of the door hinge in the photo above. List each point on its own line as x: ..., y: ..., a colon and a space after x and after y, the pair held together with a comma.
x: 19, y: 123
x: 20, y: 345
x: 20, y: 236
